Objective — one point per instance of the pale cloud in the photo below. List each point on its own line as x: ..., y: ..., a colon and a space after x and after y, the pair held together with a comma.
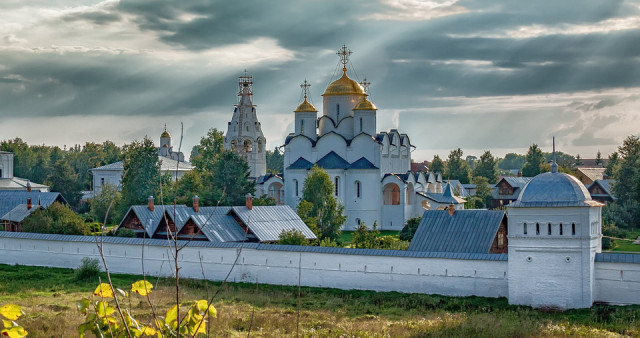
x: 417, y: 10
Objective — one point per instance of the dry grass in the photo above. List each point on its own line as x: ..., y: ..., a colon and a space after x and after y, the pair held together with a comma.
x: 49, y: 303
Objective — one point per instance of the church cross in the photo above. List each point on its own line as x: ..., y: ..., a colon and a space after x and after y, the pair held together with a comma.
x: 365, y: 84
x: 344, y: 54
x: 305, y: 86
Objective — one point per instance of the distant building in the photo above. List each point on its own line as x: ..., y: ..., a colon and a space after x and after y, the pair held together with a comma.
x: 16, y: 205
x: 10, y: 182
x: 166, y: 149
x: 507, y: 190
x: 589, y: 175
x: 601, y: 191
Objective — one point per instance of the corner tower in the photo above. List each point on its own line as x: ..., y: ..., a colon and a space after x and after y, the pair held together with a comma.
x: 244, y: 132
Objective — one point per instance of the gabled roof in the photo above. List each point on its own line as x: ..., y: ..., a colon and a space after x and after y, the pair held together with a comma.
x: 149, y: 219
x: 10, y: 199
x: 301, y: 163
x: 19, y: 213
x: 267, y: 222
x: 332, y: 161
x: 166, y: 164
x: 517, y: 183
x: 362, y: 163
x: 219, y: 228
x: 592, y: 173
x: 466, y: 231
x: 17, y: 183
x: 606, y: 185
x: 446, y: 197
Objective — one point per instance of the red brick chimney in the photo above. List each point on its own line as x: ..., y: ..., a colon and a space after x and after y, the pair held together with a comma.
x: 451, y: 209
x: 150, y: 203
x: 196, y: 203
x: 28, y: 204
x: 249, y: 202
x: 28, y: 186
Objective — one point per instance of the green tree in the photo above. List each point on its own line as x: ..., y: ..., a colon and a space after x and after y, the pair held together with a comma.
x: 534, y: 163
x: 292, y: 237
x: 205, y: 154
x: 56, y: 219
x: 231, y: 179
x: 363, y: 238
x: 23, y: 157
x: 578, y: 160
x: 108, y: 199
x: 599, y: 158
x: 512, y: 161
x: 325, y: 208
x: 189, y: 185
x: 627, y: 176
x: 483, y: 191
x: 612, y: 164
x: 141, y: 177
x: 471, y: 161
x: 264, y: 200
x: 275, y: 161
x: 64, y: 180
x: 487, y: 167
x: 436, y: 166
x: 457, y: 168
x: 410, y: 228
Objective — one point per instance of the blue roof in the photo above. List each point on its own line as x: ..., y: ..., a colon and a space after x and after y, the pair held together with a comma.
x: 332, y: 161
x: 257, y: 246
x: 617, y: 257
x: 553, y: 189
x: 301, y: 163
x: 466, y: 231
x: 219, y: 228
x: 606, y: 185
x: 19, y: 213
x: 446, y: 197
x: 268, y: 222
x: 9, y: 199
x: 517, y: 183
x: 362, y: 163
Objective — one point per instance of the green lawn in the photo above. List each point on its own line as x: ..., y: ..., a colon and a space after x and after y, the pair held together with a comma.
x: 48, y: 295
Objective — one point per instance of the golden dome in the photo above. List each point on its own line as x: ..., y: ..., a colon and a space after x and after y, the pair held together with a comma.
x: 306, y: 107
x: 365, y: 105
x: 344, y: 86
x: 165, y: 134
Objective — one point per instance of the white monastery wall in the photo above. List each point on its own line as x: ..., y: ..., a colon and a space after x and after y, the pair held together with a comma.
x: 617, y: 283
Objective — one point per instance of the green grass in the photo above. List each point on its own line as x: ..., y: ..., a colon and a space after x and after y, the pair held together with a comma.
x: 347, y: 236
x: 627, y: 246
x: 48, y: 297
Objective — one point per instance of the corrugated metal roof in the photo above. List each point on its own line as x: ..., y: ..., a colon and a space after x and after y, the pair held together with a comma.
x: 616, y: 257
x: 19, y: 213
x: 606, y: 185
x: 166, y: 164
x: 332, y: 161
x: 184, y: 212
x: 300, y: 163
x: 268, y: 222
x: 149, y: 219
x: 17, y: 183
x: 219, y: 228
x: 9, y: 199
x: 466, y: 231
x: 257, y: 246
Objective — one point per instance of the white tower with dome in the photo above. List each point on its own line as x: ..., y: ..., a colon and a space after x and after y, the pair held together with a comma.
x: 554, y: 231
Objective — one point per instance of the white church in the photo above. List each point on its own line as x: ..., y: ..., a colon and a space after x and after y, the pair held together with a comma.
x: 370, y: 170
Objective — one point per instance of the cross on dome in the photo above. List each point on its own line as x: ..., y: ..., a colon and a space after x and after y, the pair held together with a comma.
x: 344, y: 54
x: 305, y: 86
x: 365, y: 84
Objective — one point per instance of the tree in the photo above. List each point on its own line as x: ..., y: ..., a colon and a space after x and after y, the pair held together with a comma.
x: 612, y: 164
x: 205, y: 154
x: 512, y: 161
x: 627, y: 176
x: 56, y: 219
x: 578, y: 160
x: 188, y: 186
x: 231, y: 179
x: 534, y: 163
x: 487, y: 167
x: 65, y: 181
x: 471, y: 161
x: 363, y: 238
x: 457, y: 168
x: 324, y: 207
x: 275, y: 161
x: 292, y: 237
x: 483, y: 191
x: 108, y: 199
x: 437, y: 166
x: 410, y: 229
x: 141, y: 177
x: 599, y: 158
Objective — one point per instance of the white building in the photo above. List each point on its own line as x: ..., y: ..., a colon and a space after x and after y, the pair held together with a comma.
x: 244, y: 132
x: 370, y: 170
x: 10, y: 182
x: 166, y: 149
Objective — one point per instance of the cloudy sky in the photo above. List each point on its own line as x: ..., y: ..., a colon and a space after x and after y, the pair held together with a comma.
x: 497, y: 75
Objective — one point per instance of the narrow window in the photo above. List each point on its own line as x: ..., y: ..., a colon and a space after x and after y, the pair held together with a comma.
x: 358, y: 189
x: 500, y: 240
x: 338, y: 109
x: 247, y: 127
x: 525, y: 228
x: 336, y: 181
x: 549, y: 229
x: 357, y: 221
x: 561, y: 232
x: 302, y: 127
x: 573, y: 229
x: 296, y: 186
x: 102, y: 181
x: 537, y: 228
x: 361, y: 124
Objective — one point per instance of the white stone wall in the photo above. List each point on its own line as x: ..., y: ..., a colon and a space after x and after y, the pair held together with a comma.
x: 617, y: 283
x: 381, y: 273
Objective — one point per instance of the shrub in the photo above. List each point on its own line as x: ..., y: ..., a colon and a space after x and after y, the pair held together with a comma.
x: 292, y: 237
x: 607, y: 243
x: 410, y: 228
x: 124, y: 232
x: 89, y: 269
x: 328, y: 242
x: 364, y: 238
x: 56, y: 219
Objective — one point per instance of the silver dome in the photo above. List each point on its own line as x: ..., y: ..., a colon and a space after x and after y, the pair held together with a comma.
x: 553, y: 189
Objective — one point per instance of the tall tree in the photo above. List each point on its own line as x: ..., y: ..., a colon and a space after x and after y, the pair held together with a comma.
x: 108, y: 199
x: 487, y: 167
x: 534, y: 164
x: 141, y: 177
x: 612, y: 164
x: 512, y: 161
x: 578, y: 160
x: 325, y: 208
x: 627, y: 186
x: 483, y: 190
x: 205, y: 154
x: 436, y: 166
x: 64, y: 180
x: 275, y: 161
x: 457, y: 168
x: 231, y: 179
x: 599, y: 158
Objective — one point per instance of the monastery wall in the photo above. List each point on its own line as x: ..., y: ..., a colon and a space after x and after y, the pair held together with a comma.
x: 617, y: 283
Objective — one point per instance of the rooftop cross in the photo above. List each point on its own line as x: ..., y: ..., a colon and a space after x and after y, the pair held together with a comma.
x: 344, y: 54
x: 305, y: 86
x: 554, y: 165
x: 365, y: 84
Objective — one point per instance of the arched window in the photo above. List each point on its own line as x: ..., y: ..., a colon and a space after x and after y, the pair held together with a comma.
x: 537, y: 228
x: 259, y: 146
x: 549, y: 229
x: 408, y: 192
x: 336, y: 183
x: 525, y: 228
x: 361, y: 124
x: 573, y: 229
x: 391, y: 194
x: 358, y: 189
x: 247, y: 146
x: 301, y: 126
x: 295, y: 184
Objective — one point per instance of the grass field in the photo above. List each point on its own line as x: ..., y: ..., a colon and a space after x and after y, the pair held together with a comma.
x: 48, y: 297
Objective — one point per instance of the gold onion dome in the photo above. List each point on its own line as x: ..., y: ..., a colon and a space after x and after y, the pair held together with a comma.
x: 365, y: 105
x: 165, y: 134
x: 344, y: 86
x: 305, y: 107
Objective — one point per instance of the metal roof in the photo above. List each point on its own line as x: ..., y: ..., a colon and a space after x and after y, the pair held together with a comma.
x: 184, y: 212
x: 592, y: 173
x: 301, y: 163
x: 17, y: 183
x: 19, y: 213
x: 268, y: 222
x: 446, y: 197
x: 219, y: 228
x: 362, y: 163
x: 149, y: 219
x: 606, y: 185
x: 617, y: 257
x: 553, y: 189
x: 257, y: 246
x: 10, y: 199
x: 166, y: 164
x: 466, y: 231
x: 332, y: 161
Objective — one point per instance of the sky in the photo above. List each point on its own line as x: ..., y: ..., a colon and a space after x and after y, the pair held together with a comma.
x: 479, y: 75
